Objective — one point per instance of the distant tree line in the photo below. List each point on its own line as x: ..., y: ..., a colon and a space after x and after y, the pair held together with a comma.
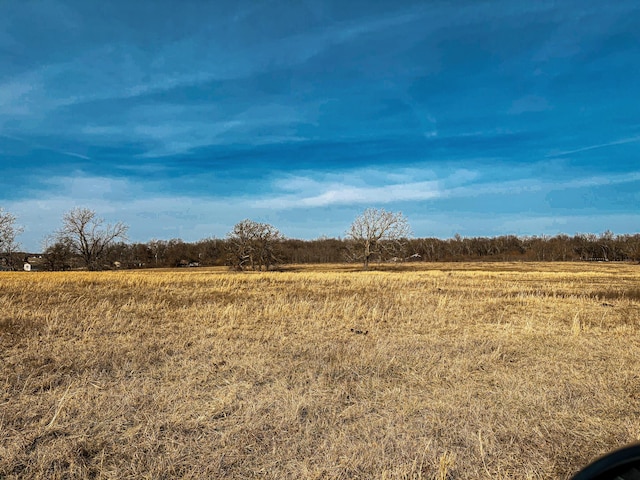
x: 559, y: 248
x: 86, y: 241
x: 226, y: 251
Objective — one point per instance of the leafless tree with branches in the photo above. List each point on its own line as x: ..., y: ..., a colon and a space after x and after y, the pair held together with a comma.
x: 376, y: 233
x: 88, y: 236
x: 253, y: 245
x: 9, y: 231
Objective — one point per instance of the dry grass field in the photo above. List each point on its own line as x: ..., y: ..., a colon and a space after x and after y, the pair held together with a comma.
x: 437, y: 371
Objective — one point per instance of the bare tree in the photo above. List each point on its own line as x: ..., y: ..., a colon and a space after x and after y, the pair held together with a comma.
x: 8, y: 233
x: 88, y: 236
x: 376, y: 233
x: 253, y: 245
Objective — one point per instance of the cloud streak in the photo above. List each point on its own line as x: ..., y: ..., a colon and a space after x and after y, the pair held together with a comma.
x: 621, y: 141
x: 308, y: 192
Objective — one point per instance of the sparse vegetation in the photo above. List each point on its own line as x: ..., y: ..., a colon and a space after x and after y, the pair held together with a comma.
x: 466, y: 371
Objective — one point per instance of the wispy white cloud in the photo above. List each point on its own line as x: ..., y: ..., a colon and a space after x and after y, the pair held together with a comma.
x: 120, y: 71
x: 361, y: 187
x: 600, y: 180
x: 37, y: 145
x: 377, y: 187
x: 349, y: 195
x: 83, y: 187
x: 76, y: 155
x: 621, y: 141
x: 169, y: 129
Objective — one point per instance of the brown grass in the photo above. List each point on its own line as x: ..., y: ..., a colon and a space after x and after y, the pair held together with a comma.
x: 466, y: 371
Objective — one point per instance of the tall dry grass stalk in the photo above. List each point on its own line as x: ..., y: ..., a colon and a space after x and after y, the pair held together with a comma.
x: 447, y: 371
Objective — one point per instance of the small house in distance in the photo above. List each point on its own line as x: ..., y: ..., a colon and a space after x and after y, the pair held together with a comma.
x: 33, y: 263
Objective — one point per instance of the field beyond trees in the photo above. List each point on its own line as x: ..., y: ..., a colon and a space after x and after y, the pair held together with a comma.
x: 434, y: 371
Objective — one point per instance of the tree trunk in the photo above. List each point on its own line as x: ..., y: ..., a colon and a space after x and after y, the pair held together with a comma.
x: 367, y: 255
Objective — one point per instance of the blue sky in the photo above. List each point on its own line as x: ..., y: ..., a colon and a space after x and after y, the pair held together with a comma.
x: 182, y: 118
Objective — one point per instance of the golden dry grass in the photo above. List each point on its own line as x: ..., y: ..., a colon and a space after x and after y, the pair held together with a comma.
x: 467, y: 371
